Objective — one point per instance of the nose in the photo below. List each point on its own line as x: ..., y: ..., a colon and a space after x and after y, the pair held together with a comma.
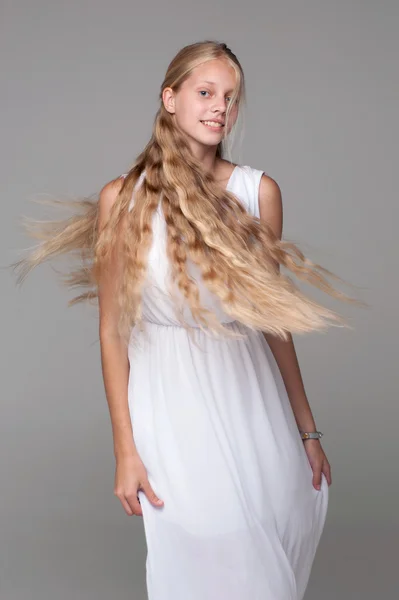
x: 220, y: 105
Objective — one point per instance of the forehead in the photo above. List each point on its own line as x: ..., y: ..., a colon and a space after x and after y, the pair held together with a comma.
x: 213, y: 72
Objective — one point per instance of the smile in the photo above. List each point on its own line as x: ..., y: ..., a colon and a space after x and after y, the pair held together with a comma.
x: 212, y: 124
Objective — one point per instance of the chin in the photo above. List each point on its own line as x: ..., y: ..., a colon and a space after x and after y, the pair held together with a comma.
x: 205, y: 140
x: 210, y: 142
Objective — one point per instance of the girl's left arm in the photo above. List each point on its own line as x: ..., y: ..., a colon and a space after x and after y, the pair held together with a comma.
x: 271, y: 211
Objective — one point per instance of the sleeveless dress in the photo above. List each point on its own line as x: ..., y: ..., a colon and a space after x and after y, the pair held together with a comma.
x: 214, y: 427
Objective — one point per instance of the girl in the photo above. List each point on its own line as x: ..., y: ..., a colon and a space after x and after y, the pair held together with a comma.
x: 215, y: 443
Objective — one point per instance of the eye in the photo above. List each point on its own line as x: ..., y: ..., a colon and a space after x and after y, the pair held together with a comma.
x: 202, y: 92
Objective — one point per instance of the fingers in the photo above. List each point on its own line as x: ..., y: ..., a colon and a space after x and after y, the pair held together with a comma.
x: 151, y: 495
x: 130, y: 503
x: 323, y: 467
x: 134, y: 503
x: 327, y: 472
x: 317, y: 476
x: 317, y: 480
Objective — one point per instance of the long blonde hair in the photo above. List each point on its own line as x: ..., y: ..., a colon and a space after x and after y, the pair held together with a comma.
x: 238, y: 255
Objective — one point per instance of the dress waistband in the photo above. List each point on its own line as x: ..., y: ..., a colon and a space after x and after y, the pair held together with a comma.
x: 179, y: 326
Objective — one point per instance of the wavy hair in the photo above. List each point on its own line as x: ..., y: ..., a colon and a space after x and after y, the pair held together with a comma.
x: 238, y: 255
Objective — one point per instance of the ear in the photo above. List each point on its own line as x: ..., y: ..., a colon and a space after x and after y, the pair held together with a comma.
x: 168, y: 98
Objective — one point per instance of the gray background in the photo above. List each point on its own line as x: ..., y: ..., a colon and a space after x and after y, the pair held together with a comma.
x: 79, y: 93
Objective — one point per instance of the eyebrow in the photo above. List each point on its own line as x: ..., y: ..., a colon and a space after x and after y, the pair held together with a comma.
x: 212, y: 83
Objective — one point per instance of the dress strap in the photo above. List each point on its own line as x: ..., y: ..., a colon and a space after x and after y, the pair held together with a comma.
x: 253, y: 177
x: 257, y: 176
x: 138, y: 183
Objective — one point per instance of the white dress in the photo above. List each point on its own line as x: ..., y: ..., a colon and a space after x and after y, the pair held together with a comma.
x: 214, y: 427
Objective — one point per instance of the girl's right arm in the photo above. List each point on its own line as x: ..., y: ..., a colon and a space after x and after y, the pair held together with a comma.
x: 131, y: 474
x: 114, y: 357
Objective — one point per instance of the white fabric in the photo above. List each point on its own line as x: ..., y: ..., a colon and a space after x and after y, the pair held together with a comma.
x: 215, y: 429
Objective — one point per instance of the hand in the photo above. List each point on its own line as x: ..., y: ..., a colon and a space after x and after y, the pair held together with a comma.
x: 130, y: 476
x: 318, y: 462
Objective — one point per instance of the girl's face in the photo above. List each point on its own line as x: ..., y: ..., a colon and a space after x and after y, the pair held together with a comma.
x: 200, y: 105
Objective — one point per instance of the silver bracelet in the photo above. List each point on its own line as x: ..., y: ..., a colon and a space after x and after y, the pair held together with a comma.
x: 310, y: 435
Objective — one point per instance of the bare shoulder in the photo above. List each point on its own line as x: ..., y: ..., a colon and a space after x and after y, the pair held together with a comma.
x: 269, y: 191
x: 110, y: 192
x: 271, y: 204
x: 107, y: 197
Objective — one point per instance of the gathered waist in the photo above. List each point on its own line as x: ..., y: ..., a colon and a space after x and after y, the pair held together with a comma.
x: 180, y: 326
x: 172, y: 335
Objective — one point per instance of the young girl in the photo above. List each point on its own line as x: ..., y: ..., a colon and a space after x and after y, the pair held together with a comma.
x: 215, y: 443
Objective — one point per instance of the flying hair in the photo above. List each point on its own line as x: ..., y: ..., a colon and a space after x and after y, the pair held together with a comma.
x: 238, y: 255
